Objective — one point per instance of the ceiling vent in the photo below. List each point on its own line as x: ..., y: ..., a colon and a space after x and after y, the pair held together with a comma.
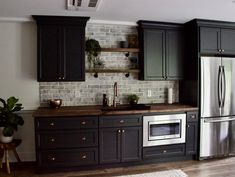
x: 83, y: 5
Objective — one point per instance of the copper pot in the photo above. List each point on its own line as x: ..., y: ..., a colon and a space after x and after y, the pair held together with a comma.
x: 55, y: 103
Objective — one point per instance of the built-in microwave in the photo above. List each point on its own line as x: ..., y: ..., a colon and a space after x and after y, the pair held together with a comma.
x: 164, y: 129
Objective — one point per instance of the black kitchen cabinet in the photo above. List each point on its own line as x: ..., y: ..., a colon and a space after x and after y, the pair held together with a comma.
x: 191, y: 133
x: 161, y: 50
x: 217, y: 40
x: 120, y: 143
x: 61, y: 48
x: 66, y: 141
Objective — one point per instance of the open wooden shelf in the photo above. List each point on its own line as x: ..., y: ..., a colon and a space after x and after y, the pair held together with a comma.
x: 120, y: 50
x: 112, y: 70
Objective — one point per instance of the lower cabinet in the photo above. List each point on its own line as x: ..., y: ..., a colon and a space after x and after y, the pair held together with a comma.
x: 164, y: 151
x: 120, y: 144
x: 66, y: 141
x: 192, y: 133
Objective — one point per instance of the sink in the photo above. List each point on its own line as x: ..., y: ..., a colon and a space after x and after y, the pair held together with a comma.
x: 127, y: 107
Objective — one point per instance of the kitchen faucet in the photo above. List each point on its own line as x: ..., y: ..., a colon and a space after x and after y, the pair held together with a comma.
x: 115, y: 93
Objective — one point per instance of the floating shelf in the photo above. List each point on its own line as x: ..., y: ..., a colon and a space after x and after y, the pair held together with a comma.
x: 112, y: 70
x: 120, y: 50
x: 126, y: 71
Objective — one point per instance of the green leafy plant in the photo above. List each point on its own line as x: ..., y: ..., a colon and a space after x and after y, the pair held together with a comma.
x: 133, y: 99
x: 93, y: 50
x: 8, y: 118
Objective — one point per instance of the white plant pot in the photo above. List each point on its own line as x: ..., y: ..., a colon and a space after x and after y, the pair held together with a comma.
x: 5, y: 139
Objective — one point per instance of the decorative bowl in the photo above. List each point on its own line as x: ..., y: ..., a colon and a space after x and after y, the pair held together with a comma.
x: 55, y: 103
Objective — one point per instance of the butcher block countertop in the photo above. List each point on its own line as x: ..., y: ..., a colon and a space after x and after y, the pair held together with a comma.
x: 120, y: 109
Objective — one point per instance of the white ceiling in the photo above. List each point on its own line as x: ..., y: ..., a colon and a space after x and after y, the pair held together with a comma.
x: 126, y: 10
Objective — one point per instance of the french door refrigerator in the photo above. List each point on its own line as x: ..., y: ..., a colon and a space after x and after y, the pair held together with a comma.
x: 217, y: 82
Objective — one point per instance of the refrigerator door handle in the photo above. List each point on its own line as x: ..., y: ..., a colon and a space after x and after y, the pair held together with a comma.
x: 219, y: 87
x: 223, y: 87
x: 224, y: 119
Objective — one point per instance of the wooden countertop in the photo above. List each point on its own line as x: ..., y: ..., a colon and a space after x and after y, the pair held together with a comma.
x: 98, y: 110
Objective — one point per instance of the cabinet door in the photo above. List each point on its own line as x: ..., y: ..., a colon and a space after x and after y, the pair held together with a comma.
x: 209, y: 40
x: 131, y: 144
x: 73, y: 53
x: 49, y: 53
x: 191, y: 138
x: 154, y: 54
x: 174, y: 54
x: 228, y: 41
x: 109, y: 145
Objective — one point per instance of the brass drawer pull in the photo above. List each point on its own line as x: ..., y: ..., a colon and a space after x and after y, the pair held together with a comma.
x: 84, y: 138
x: 52, y: 124
x: 84, y: 157
x: 122, y: 121
x: 52, y: 158
x: 52, y: 140
x: 83, y: 123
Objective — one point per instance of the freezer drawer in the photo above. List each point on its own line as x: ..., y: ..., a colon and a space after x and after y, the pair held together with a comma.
x: 216, y: 137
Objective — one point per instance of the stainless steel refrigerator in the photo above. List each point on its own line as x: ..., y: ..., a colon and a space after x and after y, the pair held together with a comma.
x: 217, y: 83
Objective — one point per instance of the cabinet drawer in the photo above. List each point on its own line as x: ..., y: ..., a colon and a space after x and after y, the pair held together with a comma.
x: 120, y: 121
x: 192, y: 116
x: 164, y: 151
x: 54, y: 123
x: 67, y: 139
x: 65, y: 158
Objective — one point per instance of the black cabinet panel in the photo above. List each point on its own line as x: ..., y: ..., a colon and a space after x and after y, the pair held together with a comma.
x: 68, y: 158
x: 191, y: 138
x: 175, y: 54
x: 49, y: 62
x: 131, y: 144
x: 161, y: 50
x: 209, y: 40
x: 154, y: 54
x: 228, y: 41
x: 61, y: 48
x: 74, y: 38
x: 109, y: 145
x: 164, y: 151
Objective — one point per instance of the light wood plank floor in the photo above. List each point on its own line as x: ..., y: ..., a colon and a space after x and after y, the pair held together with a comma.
x: 208, y: 168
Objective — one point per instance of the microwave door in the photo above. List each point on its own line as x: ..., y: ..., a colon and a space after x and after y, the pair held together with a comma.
x: 210, y: 86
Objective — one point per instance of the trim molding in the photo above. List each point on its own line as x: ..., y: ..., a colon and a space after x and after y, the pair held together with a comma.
x: 91, y: 21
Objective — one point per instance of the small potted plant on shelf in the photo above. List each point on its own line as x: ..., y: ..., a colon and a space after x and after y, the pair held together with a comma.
x: 9, y: 120
x: 133, y: 99
x: 93, y: 50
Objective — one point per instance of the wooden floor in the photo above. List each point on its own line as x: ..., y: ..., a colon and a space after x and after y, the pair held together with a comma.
x: 211, y: 168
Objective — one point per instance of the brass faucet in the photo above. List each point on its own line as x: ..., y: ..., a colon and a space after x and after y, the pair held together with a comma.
x: 115, y: 94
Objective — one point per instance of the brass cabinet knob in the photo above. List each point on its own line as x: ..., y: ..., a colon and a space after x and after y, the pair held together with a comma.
x: 84, y: 157
x: 52, y: 140
x: 52, y: 158
x: 222, y: 50
x: 119, y: 131
x: 52, y: 124
x: 123, y: 131
x: 84, y: 138
x: 188, y: 125
x: 59, y: 78
x: 83, y: 123
x: 63, y: 78
x: 164, y: 151
x: 121, y: 121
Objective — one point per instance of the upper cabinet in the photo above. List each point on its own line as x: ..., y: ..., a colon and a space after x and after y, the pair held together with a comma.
x: 217, y: 40
x: 211, y: 37
x: 161, y: 50
x: 61, y: 48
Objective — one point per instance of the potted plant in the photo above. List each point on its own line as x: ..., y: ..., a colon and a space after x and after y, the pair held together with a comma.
x: 9, y: 120
x: 133, y: 99
x: 93, y: 50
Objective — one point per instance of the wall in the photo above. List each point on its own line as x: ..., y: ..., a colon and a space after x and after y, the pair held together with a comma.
x: 18, y: 68
x: 90, y: 92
